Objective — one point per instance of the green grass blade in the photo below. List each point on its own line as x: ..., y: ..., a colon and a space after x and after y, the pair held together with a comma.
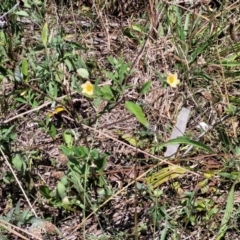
x: 227, y: 214
x: 186, y: 141
x: 45, y: 34
x: 186, y: 25
x: 25, y: 68
x: 137, y: 111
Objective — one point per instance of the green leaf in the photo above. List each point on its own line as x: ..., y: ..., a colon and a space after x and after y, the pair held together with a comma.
x: 106, y: 92
x: 234, y: 100
x: 19, y: 163
x: 230, y: 64
x: 227, y: 214
x: 52, y: 131
x: 145, y: 88
x: 22, y: 13
x: 66, y: 151
x: 83, y: 73
x: 137, y: 111
x: 231, y: 176
x: 68, y: 137
x: 45, y: 191
x: 186, y: 24
x: 45, y: 34
x: 137, y: 27
x: 25, y: 69
x: 187, y: 141
x: 64, y: 180
x: 237, y: 150
x: 61, y: 190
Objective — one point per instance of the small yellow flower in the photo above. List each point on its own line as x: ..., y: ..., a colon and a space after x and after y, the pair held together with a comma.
x: 172, y: 80
x: 87, y: 88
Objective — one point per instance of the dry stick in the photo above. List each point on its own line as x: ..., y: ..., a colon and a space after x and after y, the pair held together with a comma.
x: 74, y: 229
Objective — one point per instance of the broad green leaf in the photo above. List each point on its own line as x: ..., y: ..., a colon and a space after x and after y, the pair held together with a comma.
x: 45, y: 34
x: 64, y: 180
x: 145, y: 88
x: 83, y: 73
x: 21, y: 100
x: 106, y: 92
x: 137, y: 111
x: 22, y: 13
x: 25, y: 68
x: 68, y: 64
x: 66, y: 150
x: 227, y: 214
x: 68, y: 137
x: 237, y: 150
x: 137, y: 28
x: 187, y: 141
x: 61, y: 190
x: 52, y: 131
x: 19, y: 163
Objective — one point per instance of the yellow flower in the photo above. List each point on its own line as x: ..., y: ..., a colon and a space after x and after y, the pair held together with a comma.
x: 87, y: 88
x: 172, y: 80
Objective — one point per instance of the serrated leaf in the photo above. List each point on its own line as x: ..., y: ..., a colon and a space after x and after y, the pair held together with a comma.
x: 137, y: 111
x: 45, y: 34
x: 83, y: 73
